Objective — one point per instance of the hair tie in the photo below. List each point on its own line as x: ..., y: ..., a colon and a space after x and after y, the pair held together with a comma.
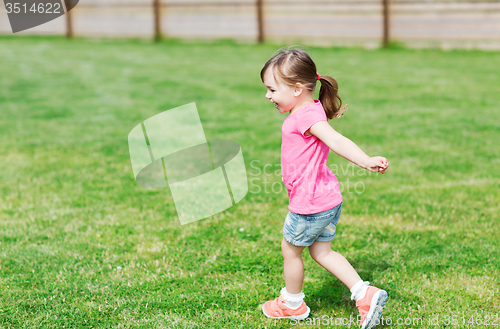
x: 319, y: 77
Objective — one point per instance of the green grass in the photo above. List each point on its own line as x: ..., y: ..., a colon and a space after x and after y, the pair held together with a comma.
x: 82, y: 245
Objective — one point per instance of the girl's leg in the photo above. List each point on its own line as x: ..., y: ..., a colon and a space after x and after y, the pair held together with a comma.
x: 293, y: 266
x: 369, y: 300
x: 334, y: 263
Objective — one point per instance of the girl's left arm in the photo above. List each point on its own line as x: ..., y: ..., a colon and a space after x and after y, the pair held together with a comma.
x: 346, y: 148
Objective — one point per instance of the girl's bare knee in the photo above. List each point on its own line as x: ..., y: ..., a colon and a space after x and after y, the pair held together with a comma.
x: 319, y: 257
x: 320, y: 249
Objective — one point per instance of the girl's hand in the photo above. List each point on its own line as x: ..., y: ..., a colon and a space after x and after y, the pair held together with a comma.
x: 377, y: 164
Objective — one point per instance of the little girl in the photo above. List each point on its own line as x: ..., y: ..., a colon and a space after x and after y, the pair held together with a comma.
x: 315, y: 200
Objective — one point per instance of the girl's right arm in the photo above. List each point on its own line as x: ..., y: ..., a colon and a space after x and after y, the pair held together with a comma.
x: 346, y: 148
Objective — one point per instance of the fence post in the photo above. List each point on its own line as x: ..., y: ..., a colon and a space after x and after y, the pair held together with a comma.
x: 157, y: 19
x: 386, y: 14
x: 260, y: 22
x: 69, y: 21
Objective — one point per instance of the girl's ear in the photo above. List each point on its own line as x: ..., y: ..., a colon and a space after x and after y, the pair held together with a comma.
x: 298, y: 89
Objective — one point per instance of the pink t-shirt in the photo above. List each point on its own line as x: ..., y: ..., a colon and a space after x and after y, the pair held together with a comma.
x: 312, y: 187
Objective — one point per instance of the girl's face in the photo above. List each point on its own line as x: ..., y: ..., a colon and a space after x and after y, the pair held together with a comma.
x: 279, y: 93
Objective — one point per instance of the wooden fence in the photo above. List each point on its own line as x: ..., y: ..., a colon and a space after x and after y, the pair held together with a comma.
x: 158, y: 6
x: 473, y: 23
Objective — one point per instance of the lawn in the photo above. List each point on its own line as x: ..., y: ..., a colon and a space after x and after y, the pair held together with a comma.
x: 83, y: 246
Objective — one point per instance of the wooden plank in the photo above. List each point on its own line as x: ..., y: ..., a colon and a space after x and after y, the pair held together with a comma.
x: 69, y: 21
x: 260, y: 23
x: 386, y: 14
x: 157, y: 19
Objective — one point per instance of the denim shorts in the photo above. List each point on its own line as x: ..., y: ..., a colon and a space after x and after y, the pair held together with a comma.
x: 303, y: 230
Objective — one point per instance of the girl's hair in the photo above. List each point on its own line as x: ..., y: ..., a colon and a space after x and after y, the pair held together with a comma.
x: 295, y: 65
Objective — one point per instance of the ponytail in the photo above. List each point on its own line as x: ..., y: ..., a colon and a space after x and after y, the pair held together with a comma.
x: 329, y: 98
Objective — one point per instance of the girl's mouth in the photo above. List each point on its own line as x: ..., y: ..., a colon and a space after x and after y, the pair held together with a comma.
x: 275, y: 105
